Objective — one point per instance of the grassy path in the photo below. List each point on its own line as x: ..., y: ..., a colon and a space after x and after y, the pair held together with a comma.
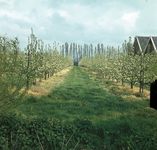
x: 102, y: 120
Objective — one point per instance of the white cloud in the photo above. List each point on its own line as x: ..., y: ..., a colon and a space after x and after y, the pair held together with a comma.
x: 42, y: 30
x: 131, y: 17
x: 128, y: 21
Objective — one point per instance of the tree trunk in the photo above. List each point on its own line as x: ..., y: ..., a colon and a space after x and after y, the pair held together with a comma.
x: 34, y: 82
x: 41, y: 78
x: 45, y: 75
x: 131, y: 85
x: 123, y: 83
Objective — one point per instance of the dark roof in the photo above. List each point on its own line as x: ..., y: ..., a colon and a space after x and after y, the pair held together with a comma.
x: 155, y: 40
x: 143, y: 41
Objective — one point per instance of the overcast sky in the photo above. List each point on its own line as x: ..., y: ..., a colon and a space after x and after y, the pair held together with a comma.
x: 81, y: 21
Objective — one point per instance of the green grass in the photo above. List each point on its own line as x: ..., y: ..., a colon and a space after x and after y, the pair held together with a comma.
x: 80, y: 107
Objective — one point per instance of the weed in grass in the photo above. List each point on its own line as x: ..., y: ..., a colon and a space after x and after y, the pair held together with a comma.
x: 81, y: 113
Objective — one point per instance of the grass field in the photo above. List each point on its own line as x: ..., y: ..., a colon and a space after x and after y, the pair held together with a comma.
x: 93, y: 112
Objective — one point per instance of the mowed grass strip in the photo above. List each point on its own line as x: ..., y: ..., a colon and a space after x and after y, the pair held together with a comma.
x: 119, y: 121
